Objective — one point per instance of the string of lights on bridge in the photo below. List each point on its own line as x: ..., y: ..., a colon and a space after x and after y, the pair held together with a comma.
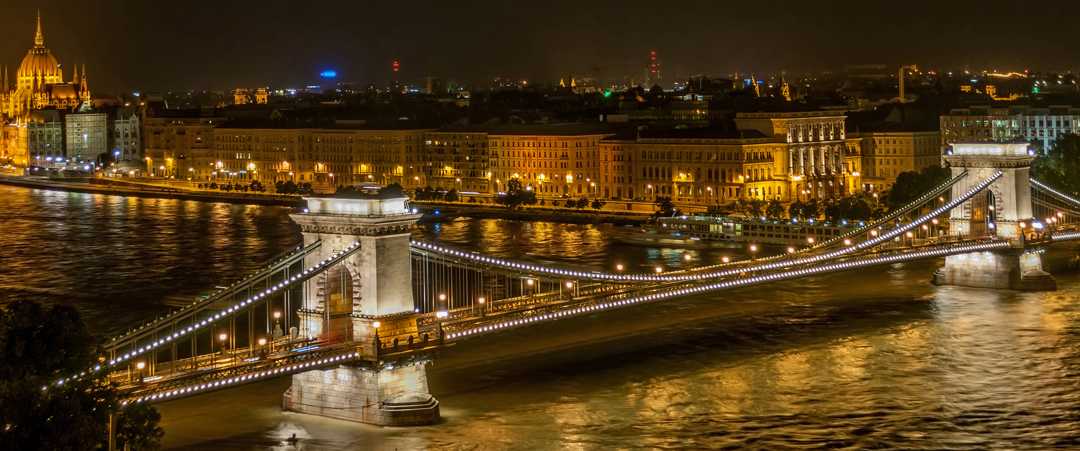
x: 597, y: 275
x: 118, y: 341
x: 333, y: 258
x: 804, y: 272
x: 1055, y: 192
x: 895, y: 214
x: 286, y: 369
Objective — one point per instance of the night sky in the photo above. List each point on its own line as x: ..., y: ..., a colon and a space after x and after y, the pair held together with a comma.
x: 194, y: 44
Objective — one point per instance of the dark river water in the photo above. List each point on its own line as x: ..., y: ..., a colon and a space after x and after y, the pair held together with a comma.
x: 875, y: 359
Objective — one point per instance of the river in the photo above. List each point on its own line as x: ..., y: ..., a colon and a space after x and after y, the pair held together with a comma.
x: 878, y: 359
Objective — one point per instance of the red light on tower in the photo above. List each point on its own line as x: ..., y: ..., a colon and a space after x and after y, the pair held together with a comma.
x: 396, y: 66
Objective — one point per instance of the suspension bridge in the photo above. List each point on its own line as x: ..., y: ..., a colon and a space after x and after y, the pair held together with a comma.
x: 355, y: 313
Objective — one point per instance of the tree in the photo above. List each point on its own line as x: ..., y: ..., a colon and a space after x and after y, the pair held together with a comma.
x: 812, y: 209
x: 775, y: 210
x: 39, y: 345
x: 795, y: 210
x: 597, y: 204
x: 751, y: 207
x: 832, y: 211
x: 582, y: 203
x: 665, y: 207
x: 1059, y: 166
x: 452, y: 195
x: 137, y: 427
x: 910, y: 185
x: 517, y: 195
x: 392, y: 190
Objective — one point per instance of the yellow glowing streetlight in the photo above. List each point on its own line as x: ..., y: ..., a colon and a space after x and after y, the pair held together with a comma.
x: 619, y: 267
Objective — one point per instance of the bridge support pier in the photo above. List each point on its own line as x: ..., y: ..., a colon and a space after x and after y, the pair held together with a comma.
x: 347, y: 304
x: 389, y: 396
x: 1002, y: 211
x: 1011, y: 269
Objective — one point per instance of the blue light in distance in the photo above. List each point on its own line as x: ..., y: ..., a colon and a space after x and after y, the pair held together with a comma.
x: 328, y: 74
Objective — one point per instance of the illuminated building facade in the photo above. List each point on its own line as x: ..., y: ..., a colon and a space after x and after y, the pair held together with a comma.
x: 887, y: 154
x: 553, y: 160
x: 325, y: 158
x: 45, y: 136
x: 816, y: 161
x: 772, y: 156
x: 176, y: 142
x: 126, y: 136
x: 86, y: 135
x: 983, y: 124
x: 453, y: 160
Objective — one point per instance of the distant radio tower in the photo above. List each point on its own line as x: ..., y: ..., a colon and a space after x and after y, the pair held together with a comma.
x: 652, y: 75
x: 394, y: 68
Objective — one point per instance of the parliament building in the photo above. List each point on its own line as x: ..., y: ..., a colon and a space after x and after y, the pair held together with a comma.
x: 39, y: 84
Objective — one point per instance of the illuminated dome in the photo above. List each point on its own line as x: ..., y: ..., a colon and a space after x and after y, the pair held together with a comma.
x: 39, y: 63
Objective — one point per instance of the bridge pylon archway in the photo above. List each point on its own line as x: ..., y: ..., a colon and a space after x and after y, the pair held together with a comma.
x: 345, y: 304
x: 1001, y: 211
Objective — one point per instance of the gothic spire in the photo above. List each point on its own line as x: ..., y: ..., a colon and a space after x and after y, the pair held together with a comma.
x: 75, y: 76
x: 39, y: 37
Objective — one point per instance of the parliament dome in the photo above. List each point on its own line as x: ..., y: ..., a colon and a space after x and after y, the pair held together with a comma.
x: 39, y: 63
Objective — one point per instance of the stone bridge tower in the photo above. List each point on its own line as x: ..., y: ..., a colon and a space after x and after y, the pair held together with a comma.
x: 346, y: 301
x: 1001, y: 211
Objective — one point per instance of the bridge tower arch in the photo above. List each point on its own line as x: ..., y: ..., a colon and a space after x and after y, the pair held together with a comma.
x: 344, y: 304
x: 1000, y: 211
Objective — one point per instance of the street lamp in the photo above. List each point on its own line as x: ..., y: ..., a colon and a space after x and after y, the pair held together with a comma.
x: 140, y: 366
x: 222, y: 337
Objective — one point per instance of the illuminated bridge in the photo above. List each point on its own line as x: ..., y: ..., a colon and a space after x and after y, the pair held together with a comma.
x: 355, y: 313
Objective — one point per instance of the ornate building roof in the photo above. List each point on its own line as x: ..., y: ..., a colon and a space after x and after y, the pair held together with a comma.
x: 39, y: 63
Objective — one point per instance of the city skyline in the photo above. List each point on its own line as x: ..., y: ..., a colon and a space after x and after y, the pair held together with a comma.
x: 150, y: 47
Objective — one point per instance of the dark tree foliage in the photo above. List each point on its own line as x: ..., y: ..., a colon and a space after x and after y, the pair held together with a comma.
x: 597, y: 204
x: 751, y: 207
x: 1059, y: 166
x: 775, y: 210
x: 392, y: 190
x: 665, y: 207
x: 910, y: 185
x: 852, y: 208
x: 516, y: 195
x: 805, y: 210
x: 39, y: 345
x: 137, y: 427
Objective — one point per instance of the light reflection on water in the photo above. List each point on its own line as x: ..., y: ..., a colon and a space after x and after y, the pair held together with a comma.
x: 875, y: 359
